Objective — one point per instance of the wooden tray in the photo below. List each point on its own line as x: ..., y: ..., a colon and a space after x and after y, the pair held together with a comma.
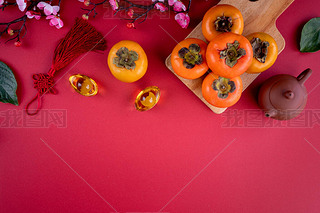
x: 259, y: 16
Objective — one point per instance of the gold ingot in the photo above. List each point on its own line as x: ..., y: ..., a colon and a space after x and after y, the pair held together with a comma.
x: 84, y: 85
x: 147, y: 98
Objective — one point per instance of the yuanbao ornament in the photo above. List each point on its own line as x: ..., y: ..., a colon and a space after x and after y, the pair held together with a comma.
x: 127, y: 61
x: 31, y: 9
x: 82, y: 38
x: 8, y: 85
x: 283, y: 97
x: 136, y: 12
x: 147, y: 98
x: 84, y: 85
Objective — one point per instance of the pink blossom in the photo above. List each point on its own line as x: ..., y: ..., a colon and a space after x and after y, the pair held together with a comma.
x: 179, y: 6
x: 48, y: 9
x: 33, y: 14
x: 41, y: 5
x: 114, y: 4
x: 1, y: 2
x: 17, y: 43
x: 22, y: 4
x: 10, y: 32
x: 55, y: 21
x: 131, y: 13
x: 182, y: 19
x: 85, y: 2
x: 161, y: 7
x: 130, y: 25
x: 85, y: 17
x: 171, y: 2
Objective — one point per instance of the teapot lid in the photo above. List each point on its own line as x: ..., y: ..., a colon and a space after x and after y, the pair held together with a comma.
x: 287, y: 94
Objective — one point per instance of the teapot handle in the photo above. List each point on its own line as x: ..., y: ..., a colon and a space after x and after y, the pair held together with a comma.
x: 304, y: 76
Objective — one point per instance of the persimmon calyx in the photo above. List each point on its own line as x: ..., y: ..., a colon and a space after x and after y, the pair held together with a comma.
x: 224, y: 86
x: 223, y: 24
x: 191, y: 56
x: 260, y: 49
x: 125, y: 58
x: 232, y: 53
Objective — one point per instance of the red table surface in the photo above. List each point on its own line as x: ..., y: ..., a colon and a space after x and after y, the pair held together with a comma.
x: 178, y: 157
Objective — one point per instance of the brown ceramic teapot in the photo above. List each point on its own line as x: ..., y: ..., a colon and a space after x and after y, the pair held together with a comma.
x: 283, y: 97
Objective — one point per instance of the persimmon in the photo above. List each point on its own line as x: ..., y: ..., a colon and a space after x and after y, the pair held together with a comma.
x: 229, y: 55
x: 221, y: 92
x: 127, y: 61
x: 188, y: 58
x: 221, y: 19
x: 265, y: 52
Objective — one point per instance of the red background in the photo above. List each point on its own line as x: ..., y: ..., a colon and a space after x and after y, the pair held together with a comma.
x: 177, y: 157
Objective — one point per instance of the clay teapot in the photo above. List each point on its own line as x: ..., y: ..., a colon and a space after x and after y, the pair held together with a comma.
x: 283, y: 97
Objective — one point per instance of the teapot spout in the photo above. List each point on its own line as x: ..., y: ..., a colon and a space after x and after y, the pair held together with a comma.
x: 304, y: 76
x: 270, y: 113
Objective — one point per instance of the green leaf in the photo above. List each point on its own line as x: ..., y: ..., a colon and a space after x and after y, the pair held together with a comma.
x: 310, y: 36
x: 8, y: 85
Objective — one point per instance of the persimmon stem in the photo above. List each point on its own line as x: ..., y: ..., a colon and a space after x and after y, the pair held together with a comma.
x: 260, y: 49
x: 223, y: 24
x: 232, y: 53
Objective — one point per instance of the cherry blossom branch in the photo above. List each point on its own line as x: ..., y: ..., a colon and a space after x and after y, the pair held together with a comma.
x: 31, y: 9
x: 22, y: 19
x: 131, y: 9
x: 93, y: 9
x: 18, y: 36
x: 136, y: 16
x: 10, y: 31
x: 6, y: 5
x: 189, y: 6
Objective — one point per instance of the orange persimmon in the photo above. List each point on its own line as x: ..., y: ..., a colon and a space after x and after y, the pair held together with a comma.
x: 220, y: 19
x: 229, y: 55
x: 188, y: 58
x: 265, y: 52
x: 221, y: 92
x: 127, y: 61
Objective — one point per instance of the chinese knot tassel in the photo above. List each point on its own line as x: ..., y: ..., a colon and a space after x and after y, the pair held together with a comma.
x: 82, y: 38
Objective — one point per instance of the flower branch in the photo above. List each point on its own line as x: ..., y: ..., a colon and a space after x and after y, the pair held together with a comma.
x: 31, y: 9
x: 135, y: 12
x: 93, y: 9
x: 11, y: 31
x: 6, y: 4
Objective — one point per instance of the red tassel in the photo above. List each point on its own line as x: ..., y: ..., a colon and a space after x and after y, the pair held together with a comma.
x: 82, y: 38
